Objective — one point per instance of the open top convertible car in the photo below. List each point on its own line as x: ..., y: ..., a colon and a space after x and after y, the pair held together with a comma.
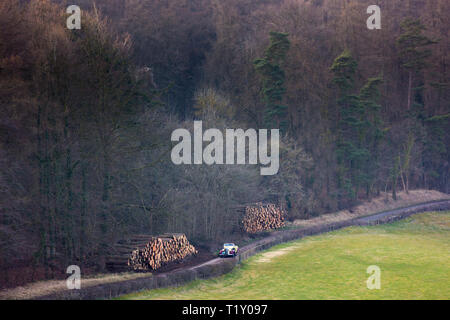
x: 229, y: 250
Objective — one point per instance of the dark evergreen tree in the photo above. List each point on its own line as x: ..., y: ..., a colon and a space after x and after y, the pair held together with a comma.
x: 413, y: 50
x: 349, y: 154
x: 270, y: 68
x: 373, y: 130
x: 359, y: 130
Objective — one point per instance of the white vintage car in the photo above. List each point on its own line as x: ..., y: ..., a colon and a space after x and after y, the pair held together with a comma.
x: 229, y: 250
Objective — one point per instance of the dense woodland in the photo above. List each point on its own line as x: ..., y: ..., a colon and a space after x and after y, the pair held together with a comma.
x: 86, y: 115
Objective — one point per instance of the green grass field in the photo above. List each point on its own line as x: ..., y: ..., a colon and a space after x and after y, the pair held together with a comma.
x: 413, y: 255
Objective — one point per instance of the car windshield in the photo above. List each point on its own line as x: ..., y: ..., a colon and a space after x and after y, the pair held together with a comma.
x: 228, y: 245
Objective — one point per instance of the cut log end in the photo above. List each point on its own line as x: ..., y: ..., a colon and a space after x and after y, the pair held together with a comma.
x: 147, y: 253
x: 262, y: 217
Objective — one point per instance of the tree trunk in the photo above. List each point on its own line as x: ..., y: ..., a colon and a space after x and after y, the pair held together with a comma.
x: 409, y: 89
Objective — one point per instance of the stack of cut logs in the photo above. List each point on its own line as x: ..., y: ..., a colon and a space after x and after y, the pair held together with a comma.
x: 260, y: 217
x: 144, y: 253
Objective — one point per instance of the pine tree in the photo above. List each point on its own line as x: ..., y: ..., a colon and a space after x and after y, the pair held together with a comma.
x: 273, y: 78
x: 348, y: 147
x: 374, y: 134
x: 413, y: 52
x: 359, y: 129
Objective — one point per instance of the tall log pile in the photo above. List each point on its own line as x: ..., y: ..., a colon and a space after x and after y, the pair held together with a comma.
x: 147, y: 253
x: 261, y: 217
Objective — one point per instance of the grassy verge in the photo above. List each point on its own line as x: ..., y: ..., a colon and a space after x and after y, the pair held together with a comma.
x: 413, y: 256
